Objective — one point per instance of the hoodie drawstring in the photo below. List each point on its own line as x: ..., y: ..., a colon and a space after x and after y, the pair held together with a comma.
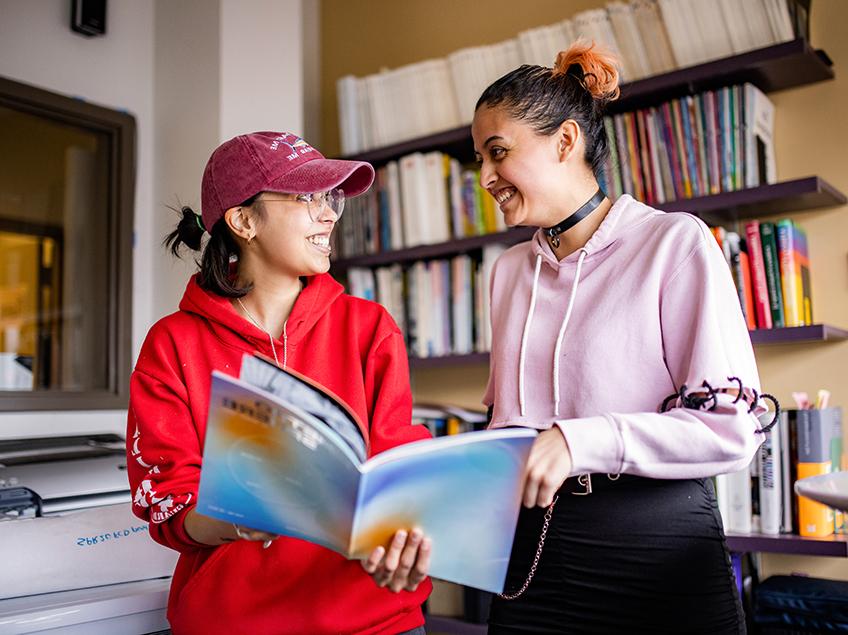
x: 285, y: 346
x: 526, y: 334
x: 580, y: 259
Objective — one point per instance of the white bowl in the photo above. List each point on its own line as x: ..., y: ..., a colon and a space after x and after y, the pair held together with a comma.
x: 830, y: 489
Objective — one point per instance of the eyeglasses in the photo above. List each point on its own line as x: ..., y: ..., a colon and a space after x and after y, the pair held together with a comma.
x: 316, y: 202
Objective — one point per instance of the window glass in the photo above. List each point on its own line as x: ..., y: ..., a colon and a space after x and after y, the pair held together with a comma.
x: 54, y: 255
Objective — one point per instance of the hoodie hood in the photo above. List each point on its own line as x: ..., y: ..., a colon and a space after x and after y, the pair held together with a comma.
x: 314, y: 302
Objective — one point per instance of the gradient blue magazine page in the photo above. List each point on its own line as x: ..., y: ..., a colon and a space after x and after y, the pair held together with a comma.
x: 288, y: 462
x: 271, y: 466
x: 464, y: 491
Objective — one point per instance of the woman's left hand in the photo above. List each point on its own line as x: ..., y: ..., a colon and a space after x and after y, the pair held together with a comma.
x: 548, y: 466
x: 404, y: 566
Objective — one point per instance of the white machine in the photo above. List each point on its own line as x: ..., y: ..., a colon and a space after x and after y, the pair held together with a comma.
x: 74, y: 559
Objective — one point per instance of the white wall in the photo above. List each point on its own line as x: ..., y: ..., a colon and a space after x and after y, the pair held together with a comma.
x: 37, y: 47
x: 261, y: 66
x: 222, y: 68
x: 193, y: 73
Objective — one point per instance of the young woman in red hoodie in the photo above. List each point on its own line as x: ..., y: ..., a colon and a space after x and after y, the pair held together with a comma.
x: 269, y: 203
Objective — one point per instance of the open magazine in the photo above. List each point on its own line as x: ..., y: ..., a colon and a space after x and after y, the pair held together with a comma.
x: 287, y: 457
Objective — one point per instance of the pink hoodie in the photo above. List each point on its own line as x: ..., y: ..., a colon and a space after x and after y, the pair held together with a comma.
x: 595, y: 342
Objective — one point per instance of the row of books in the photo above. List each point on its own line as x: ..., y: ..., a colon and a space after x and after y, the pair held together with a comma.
x: 445, y: 420
x: 423, y: 198
x: 698, y: 145
x: 441, y: 306
x: 761, y: 498
x: 771, y: 270
x: 649, y: 37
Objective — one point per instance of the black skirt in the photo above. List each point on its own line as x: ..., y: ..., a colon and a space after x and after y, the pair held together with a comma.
x: 636, y: 555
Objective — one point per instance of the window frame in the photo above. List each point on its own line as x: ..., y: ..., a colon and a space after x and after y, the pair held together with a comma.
x: 120, y: 131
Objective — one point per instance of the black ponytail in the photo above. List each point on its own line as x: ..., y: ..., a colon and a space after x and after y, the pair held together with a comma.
x: 219, y: 261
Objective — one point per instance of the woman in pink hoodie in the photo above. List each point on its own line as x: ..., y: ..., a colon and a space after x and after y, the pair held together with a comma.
x: 611, y: 308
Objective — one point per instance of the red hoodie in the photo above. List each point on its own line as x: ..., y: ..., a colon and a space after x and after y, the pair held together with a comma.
x: 349, y: 345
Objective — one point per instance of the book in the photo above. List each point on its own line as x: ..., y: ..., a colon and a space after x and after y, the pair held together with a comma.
x: 768, y: 237
x: 286, y: 456
x: 814, y: 430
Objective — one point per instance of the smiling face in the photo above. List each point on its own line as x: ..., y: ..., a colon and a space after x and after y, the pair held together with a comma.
x: 286, y: 239
x: 527, y: 173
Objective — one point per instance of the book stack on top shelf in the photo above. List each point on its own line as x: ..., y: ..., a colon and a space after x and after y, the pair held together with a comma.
x: 651, y: 37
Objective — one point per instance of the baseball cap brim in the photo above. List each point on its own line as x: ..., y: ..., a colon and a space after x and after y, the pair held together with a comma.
x: 320, y: 175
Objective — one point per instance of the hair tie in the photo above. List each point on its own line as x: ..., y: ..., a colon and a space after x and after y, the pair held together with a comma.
x: 199, y: 220
x: 576, y: 70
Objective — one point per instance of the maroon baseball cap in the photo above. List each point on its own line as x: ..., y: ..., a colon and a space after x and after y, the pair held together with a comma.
x: 273, y: 162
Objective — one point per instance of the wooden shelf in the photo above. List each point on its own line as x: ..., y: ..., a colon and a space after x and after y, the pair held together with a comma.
x: 835, y: 546
x: 789, y: 335
x: 798, y: 334
x: 437, y: 250
x: 798, y: 195
x: 771, y: 69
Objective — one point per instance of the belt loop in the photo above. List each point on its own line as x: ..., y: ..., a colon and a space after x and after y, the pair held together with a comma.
x: 586, y: 481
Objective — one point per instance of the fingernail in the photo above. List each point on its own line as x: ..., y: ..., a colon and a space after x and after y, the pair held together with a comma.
x: 266, y: 544
x: 400, y: 536
x: 426, y: 544
x: 416, y: 535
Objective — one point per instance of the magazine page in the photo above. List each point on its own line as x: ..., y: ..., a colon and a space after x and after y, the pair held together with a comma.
x: 269, y: 465
x: 294, y: 388
x: 464, y: 491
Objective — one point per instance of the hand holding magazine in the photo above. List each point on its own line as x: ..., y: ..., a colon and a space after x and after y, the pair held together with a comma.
x: 283, y: 455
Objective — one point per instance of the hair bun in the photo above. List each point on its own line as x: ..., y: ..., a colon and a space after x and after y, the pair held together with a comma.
x: 595, y: 67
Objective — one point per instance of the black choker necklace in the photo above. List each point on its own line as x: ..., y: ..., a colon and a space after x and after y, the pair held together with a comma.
x: 583, y: 211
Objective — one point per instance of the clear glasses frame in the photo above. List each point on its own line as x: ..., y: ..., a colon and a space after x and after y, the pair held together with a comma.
x: 317, y: 201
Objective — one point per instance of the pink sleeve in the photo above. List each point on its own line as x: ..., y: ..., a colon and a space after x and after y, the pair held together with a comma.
x: 705, y: 339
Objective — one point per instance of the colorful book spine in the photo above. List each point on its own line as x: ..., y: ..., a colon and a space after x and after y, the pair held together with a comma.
x: 679, y: 137
x: 772, y: 268
x: 803, y: 259
x: 758, y: 274
x: 790, y: 276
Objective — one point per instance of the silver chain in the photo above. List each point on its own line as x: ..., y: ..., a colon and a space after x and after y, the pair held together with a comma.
x: 548, y: 513
x: 270, y: 337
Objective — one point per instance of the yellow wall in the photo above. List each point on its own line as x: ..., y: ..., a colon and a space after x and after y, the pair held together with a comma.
x: 361, y: 37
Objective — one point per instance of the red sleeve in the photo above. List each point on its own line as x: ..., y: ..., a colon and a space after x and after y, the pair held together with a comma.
x: 390, y: 396
x: 163, y: 456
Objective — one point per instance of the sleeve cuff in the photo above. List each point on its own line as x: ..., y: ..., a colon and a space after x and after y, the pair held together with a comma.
x: 175, y: 536
x: 594, y: 443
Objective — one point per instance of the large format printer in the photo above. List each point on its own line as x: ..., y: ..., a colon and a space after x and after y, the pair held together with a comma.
x: 73, y: 557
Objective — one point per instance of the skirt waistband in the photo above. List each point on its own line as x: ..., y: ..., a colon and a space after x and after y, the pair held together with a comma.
x: 585, y: 484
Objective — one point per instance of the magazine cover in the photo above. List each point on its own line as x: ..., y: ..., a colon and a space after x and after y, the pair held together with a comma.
x: 273, y: 462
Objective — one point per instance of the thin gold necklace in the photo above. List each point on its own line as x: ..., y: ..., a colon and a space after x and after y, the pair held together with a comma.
x: 270, y: 337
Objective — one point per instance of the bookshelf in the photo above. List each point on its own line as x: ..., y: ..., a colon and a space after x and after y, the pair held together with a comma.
x: 833, y: 546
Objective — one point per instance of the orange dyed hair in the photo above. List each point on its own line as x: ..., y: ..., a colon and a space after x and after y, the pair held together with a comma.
x: 599, y: 71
